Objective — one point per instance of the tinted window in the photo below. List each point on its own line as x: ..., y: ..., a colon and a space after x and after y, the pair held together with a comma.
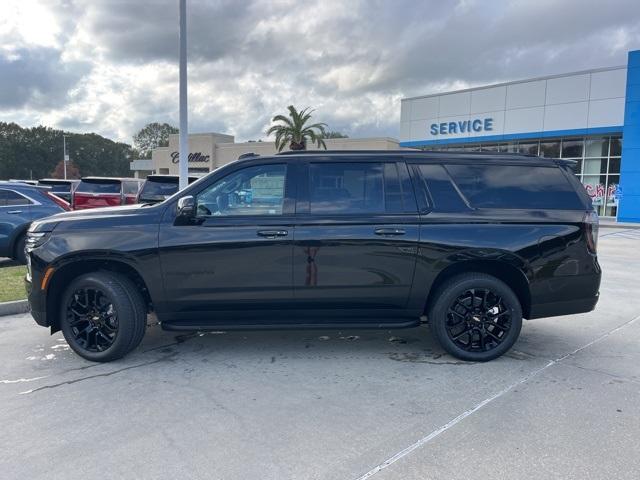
x: 98, y: 187
x: 444, y: 196
x: 255, y: 190
x: 154, y: 188
x: 511, y: 186
x: 131, y: 188
x: 9, y: 198
x: 346, y: 188
x: 57, y: 187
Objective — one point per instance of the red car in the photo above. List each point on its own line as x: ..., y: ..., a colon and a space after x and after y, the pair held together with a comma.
x: 95, y: 192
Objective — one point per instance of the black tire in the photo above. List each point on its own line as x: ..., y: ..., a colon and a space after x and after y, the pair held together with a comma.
x: 18, y: 249
x: 118, y: 321
x: 473, y: 325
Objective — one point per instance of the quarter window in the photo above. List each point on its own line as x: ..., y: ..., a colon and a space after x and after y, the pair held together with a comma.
x: 346, y: 188
x: 511, y: 186
x: 9, y: 198
x: 255, y: 190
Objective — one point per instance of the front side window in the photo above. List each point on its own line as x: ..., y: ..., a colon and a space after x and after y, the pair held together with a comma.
x: 346, y: 188
x: 131, y: 188
x: 257, y: 190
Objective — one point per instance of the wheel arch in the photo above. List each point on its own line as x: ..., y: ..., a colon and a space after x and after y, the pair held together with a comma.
x: 16, y: 234
x: 71, y: 269
x: 514, y: 277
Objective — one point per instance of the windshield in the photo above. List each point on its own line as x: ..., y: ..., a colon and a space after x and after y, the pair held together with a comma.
x: 98, y: 187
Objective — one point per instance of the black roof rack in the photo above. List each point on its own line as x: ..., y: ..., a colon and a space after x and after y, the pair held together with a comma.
x: 404, y: 152
x: 247, y: 155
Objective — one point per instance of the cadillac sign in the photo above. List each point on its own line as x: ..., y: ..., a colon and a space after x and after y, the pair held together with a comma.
x: 196, y: 157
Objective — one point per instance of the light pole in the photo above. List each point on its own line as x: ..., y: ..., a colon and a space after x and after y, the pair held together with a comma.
x: 65, y: 158
x: 184, y: 136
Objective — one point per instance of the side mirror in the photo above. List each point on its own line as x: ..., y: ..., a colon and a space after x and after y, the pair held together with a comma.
x: 186, y: 207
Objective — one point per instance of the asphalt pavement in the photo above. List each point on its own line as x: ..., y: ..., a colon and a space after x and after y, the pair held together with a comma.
x: 564, y: 403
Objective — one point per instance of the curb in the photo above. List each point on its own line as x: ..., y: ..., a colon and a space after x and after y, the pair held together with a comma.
x: 14, y: 308
x: 625, y: 226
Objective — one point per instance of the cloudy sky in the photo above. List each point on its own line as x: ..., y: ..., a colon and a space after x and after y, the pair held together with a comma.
x: 110, y: 66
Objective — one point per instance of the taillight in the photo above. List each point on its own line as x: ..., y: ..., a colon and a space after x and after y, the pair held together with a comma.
x: 592, y: 224
x: 60, y: 202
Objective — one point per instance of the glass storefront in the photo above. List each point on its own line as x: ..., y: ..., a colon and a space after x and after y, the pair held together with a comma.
x: 597, y: 162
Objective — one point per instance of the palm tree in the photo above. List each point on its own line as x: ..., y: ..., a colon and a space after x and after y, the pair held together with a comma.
x: 293, y: 130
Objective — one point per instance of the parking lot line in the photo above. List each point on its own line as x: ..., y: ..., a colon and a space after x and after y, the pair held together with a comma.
x: 424, y: 440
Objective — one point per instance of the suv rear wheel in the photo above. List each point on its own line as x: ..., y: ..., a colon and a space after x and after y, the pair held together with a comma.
x: 102, y: 316
x: 475, y: 317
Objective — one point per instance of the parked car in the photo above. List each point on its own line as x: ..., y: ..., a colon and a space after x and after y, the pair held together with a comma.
x: 94, y: 192
x: 60, y: 187
x: 473, y: 242
x: 157, y: 188
x: 20, y: 204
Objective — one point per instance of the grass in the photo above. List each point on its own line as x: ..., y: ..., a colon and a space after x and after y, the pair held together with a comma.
x: 12, y: 283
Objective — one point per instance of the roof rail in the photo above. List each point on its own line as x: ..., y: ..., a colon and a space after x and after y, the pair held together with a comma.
x: 403, y: 152
x: 247, y: 155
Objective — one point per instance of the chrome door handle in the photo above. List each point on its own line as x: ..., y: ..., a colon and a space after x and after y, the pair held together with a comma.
x: 389, y: 231
x: 13, y: 212
x: 272, y: 233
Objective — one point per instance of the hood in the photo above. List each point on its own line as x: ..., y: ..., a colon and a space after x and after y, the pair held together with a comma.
x: 49, y: 223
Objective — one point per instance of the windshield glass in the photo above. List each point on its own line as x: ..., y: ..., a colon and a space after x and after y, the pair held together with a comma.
x: 98, y: 187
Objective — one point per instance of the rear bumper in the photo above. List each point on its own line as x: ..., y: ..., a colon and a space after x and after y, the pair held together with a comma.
x: 566, y: 307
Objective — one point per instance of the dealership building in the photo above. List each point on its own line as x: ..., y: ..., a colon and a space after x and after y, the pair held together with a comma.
x: 592, y: 117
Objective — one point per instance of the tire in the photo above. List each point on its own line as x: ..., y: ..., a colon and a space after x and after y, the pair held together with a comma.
x: 102, y: 316
x: 473, y: 325
x: 18, y: 249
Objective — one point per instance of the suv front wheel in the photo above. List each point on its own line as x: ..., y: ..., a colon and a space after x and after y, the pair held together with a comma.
x: 475, y: 317
x: 102, y: 316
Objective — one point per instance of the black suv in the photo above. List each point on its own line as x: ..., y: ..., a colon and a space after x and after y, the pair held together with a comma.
x: 469, y: 243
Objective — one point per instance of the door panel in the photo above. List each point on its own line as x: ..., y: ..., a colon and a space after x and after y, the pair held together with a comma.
x: 233, y: 261
x: 338, y: 265
x: 356, y: 238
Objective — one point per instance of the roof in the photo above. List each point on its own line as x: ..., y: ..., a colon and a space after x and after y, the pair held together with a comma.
x: 58, y: 180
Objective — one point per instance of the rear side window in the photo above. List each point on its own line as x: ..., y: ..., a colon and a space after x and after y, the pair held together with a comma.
x: 513, y: 186
x: 346, y: 188
x: 98, y: 187
x: 9, y: 198
x: 438, y: 190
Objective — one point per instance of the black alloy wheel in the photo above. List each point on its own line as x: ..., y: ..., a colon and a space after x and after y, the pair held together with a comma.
x: 475, y: 316
x: 478, y: 320
x: 92, y: 318
x: 102, y: 316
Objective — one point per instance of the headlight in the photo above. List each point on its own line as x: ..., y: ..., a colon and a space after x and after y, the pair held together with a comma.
x: 35, y: 239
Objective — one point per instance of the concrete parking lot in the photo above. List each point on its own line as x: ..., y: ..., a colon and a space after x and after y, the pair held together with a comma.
x: 565, y: 403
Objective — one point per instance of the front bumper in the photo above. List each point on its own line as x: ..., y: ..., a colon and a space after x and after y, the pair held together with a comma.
x: 37, y: 299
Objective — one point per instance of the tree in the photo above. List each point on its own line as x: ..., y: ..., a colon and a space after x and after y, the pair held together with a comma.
x: 153, y: 135
x: 72, y: 171
x: 35, y: 152
x: 293, y: 130
x: 331, y: 134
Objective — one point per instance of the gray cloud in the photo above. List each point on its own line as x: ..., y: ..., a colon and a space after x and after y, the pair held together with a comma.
x: 352, y: 60
x: 37, y: 78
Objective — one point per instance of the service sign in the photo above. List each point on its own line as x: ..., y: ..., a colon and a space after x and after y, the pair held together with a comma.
x: 476, y: 125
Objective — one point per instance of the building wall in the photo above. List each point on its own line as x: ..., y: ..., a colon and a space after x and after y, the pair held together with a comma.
x: 582, y: 103
x: 629, y: 210
x: 212, y: 150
